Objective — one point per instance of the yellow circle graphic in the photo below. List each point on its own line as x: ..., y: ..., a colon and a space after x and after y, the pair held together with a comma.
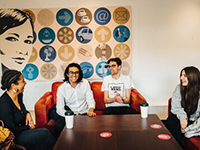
x: 122, y: 51
x: 103, y: 51
x: 125, y: 68
x: 62, y: 69
x: 65, y: 35
x: 121, y: 15
x: 48, y: 71
x: 30, y: 13
x: 103, y: 34
x: 45, y: 17
x: 34, y: 56
x: 83, y: 16
x: 66, y: 53
x: 84, y: 52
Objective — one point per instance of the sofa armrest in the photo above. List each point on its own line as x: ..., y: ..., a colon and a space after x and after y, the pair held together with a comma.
x: 42, y: 107
x: 136, y: 99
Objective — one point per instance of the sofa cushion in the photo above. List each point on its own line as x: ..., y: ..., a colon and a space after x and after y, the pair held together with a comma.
x: 98, y: 95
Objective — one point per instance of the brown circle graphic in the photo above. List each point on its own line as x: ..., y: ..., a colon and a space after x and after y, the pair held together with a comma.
x: 125, y: 68
x: 62, y: 69
x: 122, y: 51
x: 103, y: 34
x: 83, y: 16
x: 84, y: 52
x: 121, y: 15
x: 65, y: 35
x: 48, y: 71
x: 34, y: 56
x: 103, y: 51
x: 30, y: 13
x: 66, y: 53
x: 45, y: 17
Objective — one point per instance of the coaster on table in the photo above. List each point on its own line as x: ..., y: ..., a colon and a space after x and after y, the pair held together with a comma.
x: 106, y: 134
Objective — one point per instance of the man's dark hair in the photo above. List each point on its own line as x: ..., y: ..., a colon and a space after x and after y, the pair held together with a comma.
x: 67, y: 71
x: 117, y: 60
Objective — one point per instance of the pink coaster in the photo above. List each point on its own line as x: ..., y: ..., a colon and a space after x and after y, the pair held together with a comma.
x: 164, y: 137
x: 156, y: 126
x: 106, y: 134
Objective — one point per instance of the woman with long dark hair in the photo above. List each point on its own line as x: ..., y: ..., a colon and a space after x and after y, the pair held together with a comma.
x: 185, y: 105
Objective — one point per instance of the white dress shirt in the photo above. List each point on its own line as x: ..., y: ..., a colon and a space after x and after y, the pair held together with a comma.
x: 79, y: 99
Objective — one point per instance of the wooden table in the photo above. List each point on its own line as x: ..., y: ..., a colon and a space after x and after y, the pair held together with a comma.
x: 128, y: 132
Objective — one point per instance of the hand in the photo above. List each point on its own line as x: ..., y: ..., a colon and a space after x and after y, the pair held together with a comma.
x: 32, y: 126
x: 29, y: 119
x: 91, y: 113
x: 184, y: 124
x: 118, y: 98
x: 183, y: 130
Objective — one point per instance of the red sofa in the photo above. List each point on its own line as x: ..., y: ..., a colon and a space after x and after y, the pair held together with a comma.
x: 192, y: 143
x: 43, y: 105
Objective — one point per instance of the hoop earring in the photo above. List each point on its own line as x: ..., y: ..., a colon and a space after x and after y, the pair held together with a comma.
x: 15, y: 90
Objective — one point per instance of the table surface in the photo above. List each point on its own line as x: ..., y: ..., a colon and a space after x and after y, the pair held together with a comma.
x: 128, y: 132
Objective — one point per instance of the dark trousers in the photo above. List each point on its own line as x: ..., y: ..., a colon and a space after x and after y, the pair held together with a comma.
x: 36, y: 139
x: 173, y: 125
x: 119, y: 110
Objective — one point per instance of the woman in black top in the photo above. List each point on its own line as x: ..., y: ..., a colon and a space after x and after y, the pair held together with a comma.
x: 17, y: 118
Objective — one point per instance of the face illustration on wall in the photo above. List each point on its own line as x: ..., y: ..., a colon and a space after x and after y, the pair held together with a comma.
x: 16, y: 37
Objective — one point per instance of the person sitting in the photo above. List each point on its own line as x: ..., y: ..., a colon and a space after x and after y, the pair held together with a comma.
x: 117, y: 89
x: 185, y: 105
x: 74, y: 94
x: 17, y: 119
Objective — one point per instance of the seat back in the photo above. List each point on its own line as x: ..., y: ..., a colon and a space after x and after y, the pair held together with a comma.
x: 169, y: 106
x: 98, y: 95
x: 54, y: 89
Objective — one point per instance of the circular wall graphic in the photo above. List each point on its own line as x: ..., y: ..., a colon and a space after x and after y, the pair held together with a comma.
x: 47, y: 53
x: 84, y: 34
x: 48, y: 71
x: 83, y: 16
x: 30, y: 72
x: 66, y: 53
x: 102, y: 16
x: 46, y: 35
x: 102, y: 69
x: 65, y: 35
x: 121, y: 33
x: 45, y: 17
x: 64, y: 17
x: 121, y: 15
x: 87, y: 69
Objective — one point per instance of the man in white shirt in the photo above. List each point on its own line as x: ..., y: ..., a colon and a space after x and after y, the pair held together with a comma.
x: 117, y: 89
x: 75, y: 94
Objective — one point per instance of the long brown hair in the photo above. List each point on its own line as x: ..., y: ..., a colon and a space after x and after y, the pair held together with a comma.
x: 190, y: 93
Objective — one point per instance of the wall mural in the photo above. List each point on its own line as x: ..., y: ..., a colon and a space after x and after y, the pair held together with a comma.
x: 88, y: 36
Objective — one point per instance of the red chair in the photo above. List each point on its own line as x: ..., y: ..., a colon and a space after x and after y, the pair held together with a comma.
x: 192, y: 143
x: 43, y: 105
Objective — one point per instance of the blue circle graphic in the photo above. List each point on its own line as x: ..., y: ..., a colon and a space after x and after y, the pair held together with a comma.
x: 102, y: 16
x: 46, y: 35
x: 121, y: 33
x: 87, y: 69
x: 102, y: 69
x: 64, y: 17
x: 34, y: 37
x: 84, y: 34
x: 47, y: 53
x: 30, y: 72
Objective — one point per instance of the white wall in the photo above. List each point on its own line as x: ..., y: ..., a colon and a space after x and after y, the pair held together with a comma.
x: 165, y: 38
